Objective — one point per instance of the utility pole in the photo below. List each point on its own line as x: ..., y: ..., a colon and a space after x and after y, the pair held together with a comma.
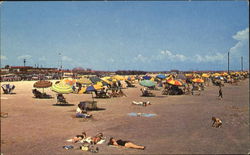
x: 24, y: 61
x: 242, y: 63
x: 228, y: 62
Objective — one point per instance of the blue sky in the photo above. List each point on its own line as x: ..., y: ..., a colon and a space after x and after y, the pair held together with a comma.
x: 147, y: 35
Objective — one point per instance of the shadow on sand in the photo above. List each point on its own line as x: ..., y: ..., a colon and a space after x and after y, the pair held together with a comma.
x: 66, y: 104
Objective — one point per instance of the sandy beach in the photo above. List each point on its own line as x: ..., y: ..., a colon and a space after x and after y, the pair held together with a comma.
x: 182, y: 124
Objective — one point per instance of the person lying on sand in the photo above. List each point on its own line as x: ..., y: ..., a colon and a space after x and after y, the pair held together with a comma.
x: 97, y: 139
x: 141, y: 103
x: 126, y: 144
x: 82, y: 113
x: 78, y: 138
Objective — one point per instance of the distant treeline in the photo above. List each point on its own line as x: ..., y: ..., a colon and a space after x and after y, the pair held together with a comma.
x: 130, y: 72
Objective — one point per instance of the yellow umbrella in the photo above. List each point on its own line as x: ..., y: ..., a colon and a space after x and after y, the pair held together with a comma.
x: 174, y: 82
x: 105, y: 80
x: 188, y: 75
x: 84, y: 81
x: 99, y: 84
x: 205, y: 75
x: 118, y: 77
x: 216, y: 74
x: 197, y: 80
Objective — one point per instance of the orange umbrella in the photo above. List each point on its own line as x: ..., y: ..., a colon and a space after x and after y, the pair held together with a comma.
x: 174, y: 82
x: 198, y: 80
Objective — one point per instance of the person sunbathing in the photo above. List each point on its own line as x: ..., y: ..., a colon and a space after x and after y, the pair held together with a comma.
x: 77, y: 138
x: 126, y: 144
x: 97, y: 138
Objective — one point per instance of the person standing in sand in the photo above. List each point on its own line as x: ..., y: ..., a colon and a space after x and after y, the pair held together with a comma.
x: 220, y: 92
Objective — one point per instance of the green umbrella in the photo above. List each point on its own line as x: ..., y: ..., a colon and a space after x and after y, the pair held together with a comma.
x: 147, y: 83
x: 61, y: 88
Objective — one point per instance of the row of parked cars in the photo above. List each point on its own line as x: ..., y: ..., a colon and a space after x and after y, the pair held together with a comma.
x: 35, y: 77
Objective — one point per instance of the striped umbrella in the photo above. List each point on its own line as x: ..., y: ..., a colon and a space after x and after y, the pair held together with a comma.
x: 69, y: 81
x: 61, y: 88
x: 42, y: 84
x: 84, y: 81
x: 147, y: 83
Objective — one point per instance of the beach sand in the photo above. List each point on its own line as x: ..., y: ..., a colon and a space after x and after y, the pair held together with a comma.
x: 182, y: 124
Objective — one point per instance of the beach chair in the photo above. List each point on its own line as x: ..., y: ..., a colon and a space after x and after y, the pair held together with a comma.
x: 40, y: 95
x: 61, y: 99
x: 129, y: 84
x: 102, y: 95
x: 7, y: 88
x: 147, y: 93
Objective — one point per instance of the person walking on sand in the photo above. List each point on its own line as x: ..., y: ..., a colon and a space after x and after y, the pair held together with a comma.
x: 220, y: 92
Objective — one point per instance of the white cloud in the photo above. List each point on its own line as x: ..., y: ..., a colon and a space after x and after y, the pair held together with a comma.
x: 2, y: 57
x: 242, y: 35
x: 66, y: 58
x: 24, y: 57
x: 243, y: 42
x: 141, y: 58
x: 208, y: 58
x: 110, y: 60
x: 174, y: 57
x: 43, y: 58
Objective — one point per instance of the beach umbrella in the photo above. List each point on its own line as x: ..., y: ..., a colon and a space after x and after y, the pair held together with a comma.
x: 188, y: 75
x: 216, y: 74
x: 181, y: 76
x: 174, y: 82
x: 93, y: 88
x: 105, y: 81
x: 146, y: 77
x: 161, y: 76
x: 205, y: 75
x: 224, y: 74
x: 95, y: 79
x: 118, y: 77
x: 61, y: 88
x: 69, y: 81
x: 147, y: 83
x: 197, y: 80
x: 84, y: 81
x: 42, y: 84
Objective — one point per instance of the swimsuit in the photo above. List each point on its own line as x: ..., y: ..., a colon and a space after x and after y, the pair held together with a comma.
x: 121, y: 142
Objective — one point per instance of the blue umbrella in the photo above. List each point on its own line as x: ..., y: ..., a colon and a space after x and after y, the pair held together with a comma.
x: 146, y: 77
x: 161, y: 76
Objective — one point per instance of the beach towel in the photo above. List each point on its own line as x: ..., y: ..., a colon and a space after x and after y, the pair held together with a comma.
x: 141, y: 114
